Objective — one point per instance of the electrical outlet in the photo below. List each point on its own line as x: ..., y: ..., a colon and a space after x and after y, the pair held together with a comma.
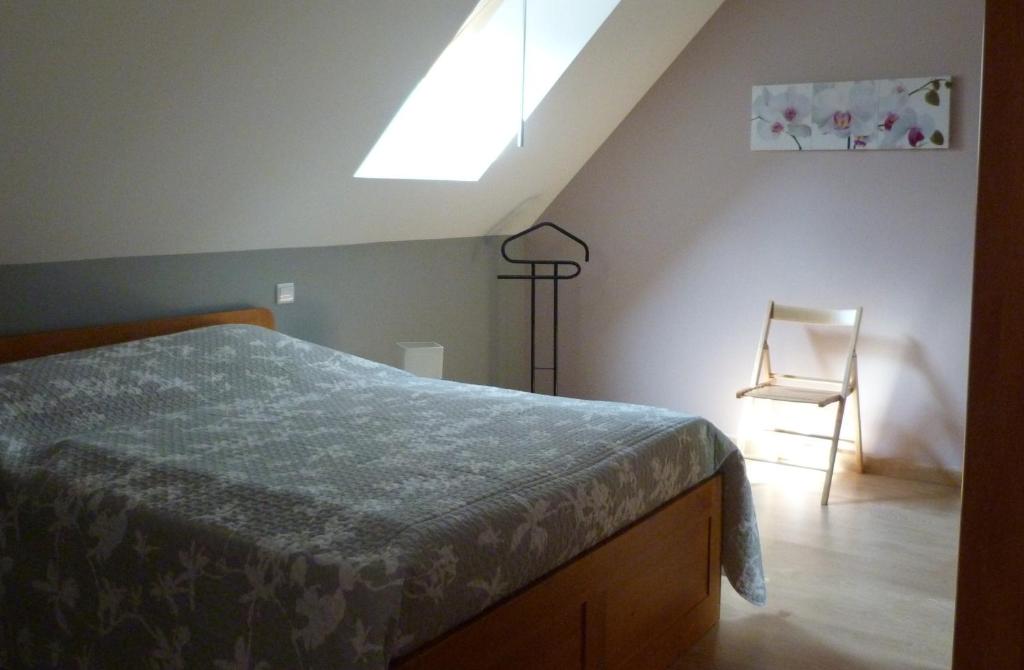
x: 285, y: 293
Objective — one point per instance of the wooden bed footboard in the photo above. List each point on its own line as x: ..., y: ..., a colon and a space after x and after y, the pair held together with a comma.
x: 638, y: 600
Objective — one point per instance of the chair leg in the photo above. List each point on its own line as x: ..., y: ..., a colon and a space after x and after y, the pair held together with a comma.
x: 832, y: 454
x: 857, y: 435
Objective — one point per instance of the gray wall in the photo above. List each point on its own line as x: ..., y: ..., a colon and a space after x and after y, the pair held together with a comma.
x: 361, y: 299
x: 693, y: 233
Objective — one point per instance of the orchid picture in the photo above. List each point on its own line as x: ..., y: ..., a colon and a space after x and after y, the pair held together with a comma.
x: 852, y: 115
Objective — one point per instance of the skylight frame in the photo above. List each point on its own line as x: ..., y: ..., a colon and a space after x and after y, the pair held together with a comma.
x: 465, y: 111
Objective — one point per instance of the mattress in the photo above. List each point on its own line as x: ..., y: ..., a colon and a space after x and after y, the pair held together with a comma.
x: 232, y: 497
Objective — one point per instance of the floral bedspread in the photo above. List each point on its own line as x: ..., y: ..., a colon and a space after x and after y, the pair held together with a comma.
x: 232, y: 497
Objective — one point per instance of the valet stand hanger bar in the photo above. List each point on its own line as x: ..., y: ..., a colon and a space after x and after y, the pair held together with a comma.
x: 554, y: 277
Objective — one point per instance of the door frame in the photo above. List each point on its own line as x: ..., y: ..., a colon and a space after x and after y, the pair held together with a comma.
x: 989, y: 628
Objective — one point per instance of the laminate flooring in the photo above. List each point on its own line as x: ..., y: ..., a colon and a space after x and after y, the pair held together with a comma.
x: 866, y: 583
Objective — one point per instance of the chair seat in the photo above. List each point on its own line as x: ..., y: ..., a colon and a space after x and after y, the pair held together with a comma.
x: 819, y: 397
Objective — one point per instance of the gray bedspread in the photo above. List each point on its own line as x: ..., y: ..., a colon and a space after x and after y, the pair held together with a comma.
x: 235, y: 498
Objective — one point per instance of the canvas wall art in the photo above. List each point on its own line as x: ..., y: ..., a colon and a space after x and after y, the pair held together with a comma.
x: 852, y: 115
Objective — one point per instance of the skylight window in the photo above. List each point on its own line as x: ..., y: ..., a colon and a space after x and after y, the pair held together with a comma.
x: 466, y: 110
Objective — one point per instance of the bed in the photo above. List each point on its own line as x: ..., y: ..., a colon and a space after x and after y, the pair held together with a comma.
x: 207, y: 492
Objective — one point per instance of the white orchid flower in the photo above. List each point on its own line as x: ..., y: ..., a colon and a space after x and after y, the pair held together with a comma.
x: 782, y: 114
x: 846, y: 112
x: 891, y: 107
x: 917, y: 128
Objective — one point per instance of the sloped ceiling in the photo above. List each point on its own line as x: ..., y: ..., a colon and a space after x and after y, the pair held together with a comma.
x: 148, y: 127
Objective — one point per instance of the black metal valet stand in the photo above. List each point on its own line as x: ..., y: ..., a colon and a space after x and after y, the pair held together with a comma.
x: 554, y: 278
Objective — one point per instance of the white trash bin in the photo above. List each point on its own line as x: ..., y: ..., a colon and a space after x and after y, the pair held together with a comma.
x: 423, y: 359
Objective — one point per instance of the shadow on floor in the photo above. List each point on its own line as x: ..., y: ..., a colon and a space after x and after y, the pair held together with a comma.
x: 921, y: 494
x: 772, y: 642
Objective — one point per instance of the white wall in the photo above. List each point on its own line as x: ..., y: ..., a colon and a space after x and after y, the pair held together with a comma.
x: 148, y: 127
x: 692, y: 233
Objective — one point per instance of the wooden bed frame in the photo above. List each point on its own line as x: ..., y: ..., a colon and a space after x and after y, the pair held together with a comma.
x: 637, y: 600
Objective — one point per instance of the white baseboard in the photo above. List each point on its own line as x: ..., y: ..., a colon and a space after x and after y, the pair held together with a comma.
x: 895, y: 467
x: 900, y: 468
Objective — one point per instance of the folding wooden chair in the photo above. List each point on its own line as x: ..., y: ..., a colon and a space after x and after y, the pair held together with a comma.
x: 770, y: 385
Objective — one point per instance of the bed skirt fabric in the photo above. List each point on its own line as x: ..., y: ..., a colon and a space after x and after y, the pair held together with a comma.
x: 231, y: 497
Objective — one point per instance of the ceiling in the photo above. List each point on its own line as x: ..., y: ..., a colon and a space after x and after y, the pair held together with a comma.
x: 146, y: 128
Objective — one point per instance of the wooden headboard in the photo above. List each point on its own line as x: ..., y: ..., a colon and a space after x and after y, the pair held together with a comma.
x: 33, y: 345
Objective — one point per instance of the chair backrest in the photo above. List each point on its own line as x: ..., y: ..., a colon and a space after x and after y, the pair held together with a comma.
x: 823, y: 317
x: 820, y: 317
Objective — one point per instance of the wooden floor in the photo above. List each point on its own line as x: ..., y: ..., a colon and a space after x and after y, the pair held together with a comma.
x: 866, y: 583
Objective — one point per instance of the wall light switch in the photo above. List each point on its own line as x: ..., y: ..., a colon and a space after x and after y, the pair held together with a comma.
x: 285, y: 293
